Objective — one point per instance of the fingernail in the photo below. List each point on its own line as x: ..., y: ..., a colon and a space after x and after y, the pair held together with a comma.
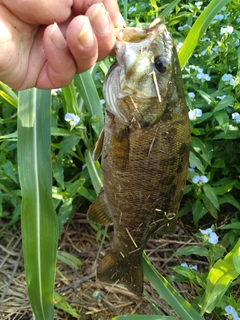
x: 100, y: 19
x: 121, y: 22
x: 85, y: 36
x: 57, y: 38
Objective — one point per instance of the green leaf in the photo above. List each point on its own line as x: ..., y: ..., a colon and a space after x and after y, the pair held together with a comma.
x: 220, y: 277
x: 60, y: 303
x: 210, y: 194
x: 202, y: 148
x: 69, y: 259
x: 198, y: 29
x: 8, y: 94
x: 143, y: 317
x: 39, y: 220
x: 200, y: 251
x: 193, y: 159
x: 168, y: 293
x: 168, y: 9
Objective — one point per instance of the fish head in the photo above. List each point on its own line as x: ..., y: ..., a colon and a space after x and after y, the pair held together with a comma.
x: 138, y: 84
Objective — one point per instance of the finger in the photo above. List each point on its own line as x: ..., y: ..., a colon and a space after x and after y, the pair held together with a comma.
x: 82, y: 43
x: 40, y: 11
x: 59, y: 67
x: 80, y: 7
x: 103, y: 29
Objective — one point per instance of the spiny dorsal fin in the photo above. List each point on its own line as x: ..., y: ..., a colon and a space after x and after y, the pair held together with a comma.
x: 98, y: 211
x: 98, y: 147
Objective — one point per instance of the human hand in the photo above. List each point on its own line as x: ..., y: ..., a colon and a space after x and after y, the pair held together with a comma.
x: 44, y: 43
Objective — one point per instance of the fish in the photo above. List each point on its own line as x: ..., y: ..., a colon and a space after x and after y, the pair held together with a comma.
x: 144, y: 148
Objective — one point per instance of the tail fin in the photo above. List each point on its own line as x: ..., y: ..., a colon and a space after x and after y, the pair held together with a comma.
x: 115, y: 268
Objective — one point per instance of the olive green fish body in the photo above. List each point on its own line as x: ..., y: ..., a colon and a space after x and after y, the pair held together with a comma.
x: 145, y: 151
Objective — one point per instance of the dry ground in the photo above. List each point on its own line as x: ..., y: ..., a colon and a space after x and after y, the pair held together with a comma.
x: 78, y: 287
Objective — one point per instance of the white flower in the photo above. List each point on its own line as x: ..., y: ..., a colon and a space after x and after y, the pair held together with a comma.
x: 203, y: 76
x: 186, y: 26
x: 236, y: 116
x: 191, y: 95
x: 228, y: 79
x: 209, y: 236
x: 131, y: 10
x: 221, y: 97
x: 198, y: 3
x: 191, y: 167
x: 193, y: 267
x: 72, y: 118
x: 194, y: 114
x: 226, y: 30
x: 199, y: 180
x: 232, y: 313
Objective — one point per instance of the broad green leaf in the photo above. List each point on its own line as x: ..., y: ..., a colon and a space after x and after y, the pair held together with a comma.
x: 220, y: 277
x: 193, y: 159
x: 39, y: 220
x: 200, y: 251
x: 168, y: 293
x: 202, y: 148
x: 198, y: 29
x: 224, y: 103
x: 210, y: 194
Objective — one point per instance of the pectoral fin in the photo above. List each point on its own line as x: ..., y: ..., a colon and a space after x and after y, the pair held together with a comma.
x: 98, y: 147
x: 98, y: 211
x: 120, y: 147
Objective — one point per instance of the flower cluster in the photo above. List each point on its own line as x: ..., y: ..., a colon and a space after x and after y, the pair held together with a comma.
x: 209, y: 236
x: 200, y: 74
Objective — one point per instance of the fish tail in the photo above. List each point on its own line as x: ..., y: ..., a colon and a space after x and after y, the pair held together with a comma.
x: 115, y: 268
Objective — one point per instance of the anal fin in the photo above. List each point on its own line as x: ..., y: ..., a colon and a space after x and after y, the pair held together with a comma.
x: 114, y: 268
x: 98, y: 211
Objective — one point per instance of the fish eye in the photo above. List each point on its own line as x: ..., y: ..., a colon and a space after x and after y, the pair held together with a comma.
x: 160, y: 64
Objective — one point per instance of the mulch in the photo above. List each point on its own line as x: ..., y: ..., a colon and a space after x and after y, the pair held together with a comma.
x: 80, y: 287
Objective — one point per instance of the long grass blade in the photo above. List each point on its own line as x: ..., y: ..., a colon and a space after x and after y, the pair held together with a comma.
x: 198, y: 29
x: 88, y: 91
x: 168, y: 293
x: 39, y: 221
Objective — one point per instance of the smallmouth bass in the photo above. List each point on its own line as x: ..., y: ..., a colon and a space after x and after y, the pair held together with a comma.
x: 144, y: 147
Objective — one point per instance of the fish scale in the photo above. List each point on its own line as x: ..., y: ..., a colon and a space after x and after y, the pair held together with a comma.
x: 145, y: 150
